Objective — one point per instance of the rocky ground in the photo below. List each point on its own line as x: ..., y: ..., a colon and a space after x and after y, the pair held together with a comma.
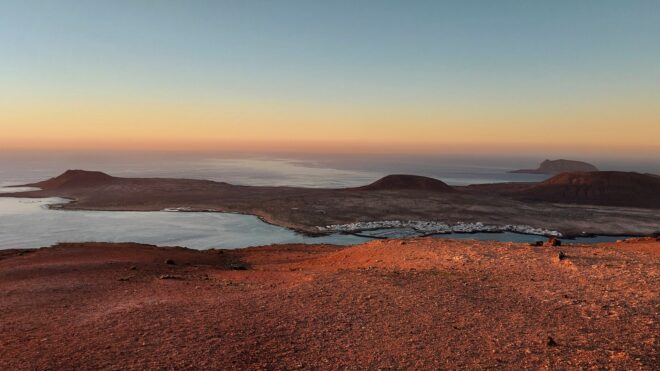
x: 412, y: 304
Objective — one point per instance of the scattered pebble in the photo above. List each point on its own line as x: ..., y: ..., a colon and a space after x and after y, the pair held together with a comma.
x: 238, y: 267
x: 169, y: 277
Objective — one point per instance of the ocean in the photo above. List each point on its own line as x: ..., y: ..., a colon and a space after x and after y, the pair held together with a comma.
x: 28, y: 223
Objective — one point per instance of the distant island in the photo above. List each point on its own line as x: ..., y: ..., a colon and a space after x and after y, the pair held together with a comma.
x: 553, y: 167
x: 418, y: 202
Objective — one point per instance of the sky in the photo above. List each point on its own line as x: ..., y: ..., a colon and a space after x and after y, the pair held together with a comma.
x: 391, y: 76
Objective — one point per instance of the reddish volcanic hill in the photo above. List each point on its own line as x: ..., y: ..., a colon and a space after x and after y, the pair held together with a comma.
x: 612, y: 188
x: 412, y: 182
x: 75, y: 179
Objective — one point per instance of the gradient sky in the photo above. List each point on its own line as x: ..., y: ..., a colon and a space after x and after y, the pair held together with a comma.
x: 488, y: 75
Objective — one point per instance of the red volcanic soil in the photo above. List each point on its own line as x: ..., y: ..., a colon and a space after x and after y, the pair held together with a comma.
x: 412, y: 182
x: 413, y: 304
x: 612, y: 188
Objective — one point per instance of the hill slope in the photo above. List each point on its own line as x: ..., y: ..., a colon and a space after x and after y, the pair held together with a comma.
x: 75, y: 179
x: 411, y: 182
x: 398, y: 304
x: 612, y: 188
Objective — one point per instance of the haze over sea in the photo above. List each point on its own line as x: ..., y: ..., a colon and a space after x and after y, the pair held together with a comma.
x: 282, y: 169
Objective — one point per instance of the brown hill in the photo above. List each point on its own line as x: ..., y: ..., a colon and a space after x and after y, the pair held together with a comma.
x: 559, y: 166
x: 611, y: 188
x: 75, y: 179
x: 412, y: 182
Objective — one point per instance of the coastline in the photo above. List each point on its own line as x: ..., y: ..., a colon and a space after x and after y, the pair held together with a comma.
x: 388, y: 229
x: 356, y: 228
x: 309, y: 211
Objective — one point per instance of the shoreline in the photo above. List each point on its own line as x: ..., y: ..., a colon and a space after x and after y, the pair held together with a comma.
x: 398, y: 198
x: 357, y: 232
x: 316, y: 231
x: 423, y: 227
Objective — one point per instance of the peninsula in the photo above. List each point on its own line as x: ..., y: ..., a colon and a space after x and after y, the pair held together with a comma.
x: 611, y: 203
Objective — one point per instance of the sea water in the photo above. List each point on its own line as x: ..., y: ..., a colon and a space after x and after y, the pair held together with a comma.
x: 27, y: 223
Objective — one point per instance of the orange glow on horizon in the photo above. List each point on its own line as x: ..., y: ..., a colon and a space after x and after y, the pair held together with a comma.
x: 530, y: 79
x: 283, y: 126
x: 347, y: 147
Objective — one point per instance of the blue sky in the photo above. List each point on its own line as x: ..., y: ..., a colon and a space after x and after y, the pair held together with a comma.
x: 542, y: 57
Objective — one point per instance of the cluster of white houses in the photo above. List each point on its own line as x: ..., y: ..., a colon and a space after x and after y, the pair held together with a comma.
x: 431, y: 227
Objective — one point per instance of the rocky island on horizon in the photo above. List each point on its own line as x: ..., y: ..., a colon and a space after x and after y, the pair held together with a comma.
x: 569, y: 204
x: 554, y: 167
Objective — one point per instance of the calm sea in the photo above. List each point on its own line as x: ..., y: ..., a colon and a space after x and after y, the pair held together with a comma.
x: 304, y: 171
x: 28, y: 223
